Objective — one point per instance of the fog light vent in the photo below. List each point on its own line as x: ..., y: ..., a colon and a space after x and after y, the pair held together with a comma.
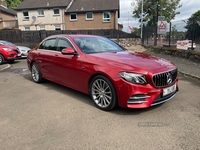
x: 137, y: 99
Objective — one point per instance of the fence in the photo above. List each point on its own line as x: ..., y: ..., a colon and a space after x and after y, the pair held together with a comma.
x: 18, y: 36
x: 176, y: 30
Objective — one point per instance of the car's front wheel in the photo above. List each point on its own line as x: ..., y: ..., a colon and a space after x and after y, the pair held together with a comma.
x: 35, y: 73
x: 1, y: 59
x: 103, y: 93
x: 10, y: 61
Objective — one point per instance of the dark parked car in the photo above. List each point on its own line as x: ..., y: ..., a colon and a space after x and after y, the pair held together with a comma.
x: 7, y: 52
x: 110, y: 74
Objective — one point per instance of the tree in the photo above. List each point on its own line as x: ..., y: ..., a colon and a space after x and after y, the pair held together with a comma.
x: 137, y: 31
x: 193, y: 28
x: 13, y: 3
x: 154, y: 8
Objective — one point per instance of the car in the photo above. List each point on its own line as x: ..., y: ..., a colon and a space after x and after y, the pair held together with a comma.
x: 22, y: 50
x: 185, y: 45
x: 8, y: 53
x: 112, y: 75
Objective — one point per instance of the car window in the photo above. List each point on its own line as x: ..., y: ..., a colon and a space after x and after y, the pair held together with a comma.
x: 97, y: 45
x: 63, y: 43
x: 48, y: 44
x: 7, y: 43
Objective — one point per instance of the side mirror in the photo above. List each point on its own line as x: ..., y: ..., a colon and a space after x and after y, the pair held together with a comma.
x: 68, y: 51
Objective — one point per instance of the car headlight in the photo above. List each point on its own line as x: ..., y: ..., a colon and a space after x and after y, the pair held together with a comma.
x: 7, y: 49
x: 133, y: 77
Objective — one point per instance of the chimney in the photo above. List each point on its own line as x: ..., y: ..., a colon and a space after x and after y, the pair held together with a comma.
x: 3, y: 3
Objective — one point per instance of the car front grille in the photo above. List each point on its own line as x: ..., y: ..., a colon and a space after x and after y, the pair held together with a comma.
x: 165, y: 79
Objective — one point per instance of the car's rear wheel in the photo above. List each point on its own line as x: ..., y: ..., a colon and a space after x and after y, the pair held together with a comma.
x: 1, y: 59
x: 35, y: 73
x: 103, y: 93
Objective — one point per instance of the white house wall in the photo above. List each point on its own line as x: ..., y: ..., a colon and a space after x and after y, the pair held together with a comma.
x: 49, y: 20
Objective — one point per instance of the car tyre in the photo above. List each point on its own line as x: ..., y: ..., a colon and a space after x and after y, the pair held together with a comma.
x: 36, y: 73
x: 10, y: 61
x: 103, y: 93
x: 2, y: 60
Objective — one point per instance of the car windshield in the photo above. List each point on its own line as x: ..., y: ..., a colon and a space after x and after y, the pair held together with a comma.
x: 7, y: 43
x: 97, y: 45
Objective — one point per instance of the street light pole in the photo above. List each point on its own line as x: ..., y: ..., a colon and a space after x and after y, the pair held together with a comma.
x: 142, y: 18
x: 156, y: 28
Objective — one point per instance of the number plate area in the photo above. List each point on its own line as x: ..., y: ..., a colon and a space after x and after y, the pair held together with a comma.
x: 169, y: 90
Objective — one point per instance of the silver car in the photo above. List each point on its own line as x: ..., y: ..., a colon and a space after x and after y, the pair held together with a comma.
x: 23, y: 51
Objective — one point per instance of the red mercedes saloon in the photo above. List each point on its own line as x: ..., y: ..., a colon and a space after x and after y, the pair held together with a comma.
x: 110, y: 74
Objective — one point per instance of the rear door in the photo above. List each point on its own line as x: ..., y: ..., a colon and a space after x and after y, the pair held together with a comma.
x: 45, y: 57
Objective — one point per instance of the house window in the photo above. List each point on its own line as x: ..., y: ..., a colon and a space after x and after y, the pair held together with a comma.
x: 42, y: 27
x: 57, y: 27
x: 40, y: 12
x: 73, y: 16
x: 26, y: 15
x: 56, y: 11
x: 27, y: 28
x: 106, y: 17
x: 89, y: 16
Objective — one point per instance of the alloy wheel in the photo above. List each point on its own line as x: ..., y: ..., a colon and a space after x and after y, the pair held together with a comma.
x: 101, y: 93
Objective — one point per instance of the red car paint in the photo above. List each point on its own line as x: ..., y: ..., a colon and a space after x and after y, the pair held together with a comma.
x: 8, y: 53
x: 77, y: 71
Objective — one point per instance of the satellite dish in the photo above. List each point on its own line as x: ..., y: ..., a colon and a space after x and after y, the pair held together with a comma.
x: 34, y: 18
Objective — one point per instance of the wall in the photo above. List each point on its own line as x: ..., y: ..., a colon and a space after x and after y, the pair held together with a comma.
x: 49, y: 20
x: 97, y: 22
x: 9, y: 21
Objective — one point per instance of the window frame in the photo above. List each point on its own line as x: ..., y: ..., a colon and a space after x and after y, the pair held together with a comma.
x: 25, y: 17
x: 26, y: 28
x: 42, y: 28
x: 55, y: 13
x: 41, y: 15
x: 71, y: 16
x: 87, y: 16
x: 57, y: 27
x: 105, y: 19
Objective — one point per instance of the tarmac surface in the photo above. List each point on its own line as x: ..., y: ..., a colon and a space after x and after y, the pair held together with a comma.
x: 185, y: 66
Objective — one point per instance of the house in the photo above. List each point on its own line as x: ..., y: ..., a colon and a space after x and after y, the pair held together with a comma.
x: 8, y: 17
x: 92, y: 14
x: 41, y: 14
x: 68, y: 14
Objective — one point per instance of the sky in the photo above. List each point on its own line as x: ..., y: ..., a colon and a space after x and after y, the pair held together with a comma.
x: 188, y: 8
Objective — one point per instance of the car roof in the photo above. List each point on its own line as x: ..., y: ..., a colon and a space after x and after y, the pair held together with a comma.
x: 73, y: 35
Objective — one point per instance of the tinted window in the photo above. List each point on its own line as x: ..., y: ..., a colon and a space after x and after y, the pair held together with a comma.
x: 62, y: 43
x: 48, y: 44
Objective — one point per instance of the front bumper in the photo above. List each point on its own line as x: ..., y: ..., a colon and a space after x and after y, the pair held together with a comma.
x: 142, y: 96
